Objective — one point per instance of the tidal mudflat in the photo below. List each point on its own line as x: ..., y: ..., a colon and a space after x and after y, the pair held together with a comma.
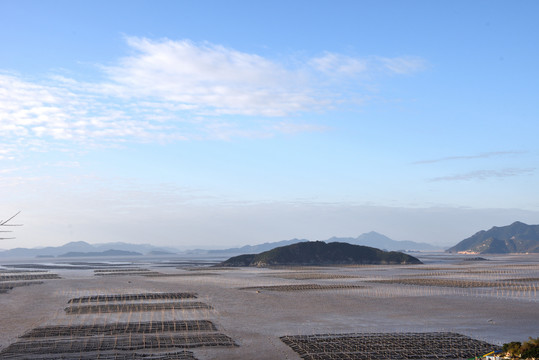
x: 155, y: 309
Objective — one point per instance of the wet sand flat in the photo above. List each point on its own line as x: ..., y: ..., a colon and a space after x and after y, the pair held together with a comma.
x: 251, y: 309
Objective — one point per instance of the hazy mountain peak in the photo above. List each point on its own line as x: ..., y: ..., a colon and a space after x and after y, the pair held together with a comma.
x: 515, y: 238
x: 81, y: 243
x: 373, y: 235
x: 81, y: 247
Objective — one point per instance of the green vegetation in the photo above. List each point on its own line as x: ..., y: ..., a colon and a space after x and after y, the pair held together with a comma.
x: 515, y: 238
x: 527, y: 350
x: 320, y: 253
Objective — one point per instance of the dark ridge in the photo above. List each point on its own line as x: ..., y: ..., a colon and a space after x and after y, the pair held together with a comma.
x: 319, y: 253
x: 515, y: 238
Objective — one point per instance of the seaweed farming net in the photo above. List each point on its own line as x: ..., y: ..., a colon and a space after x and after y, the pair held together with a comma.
x: 107, y: 355
x: 131, y: 297
x: 303, y: 287
x: 149, y: 340
x: 121, y: 328
x: 387, y: 346
x: 15, y: 277
x: 7, y: 286
x: 128, y: 342
x: 111, y: 308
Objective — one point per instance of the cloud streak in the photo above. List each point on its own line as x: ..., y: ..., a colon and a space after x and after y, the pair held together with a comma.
x: 339, y: 64
x: 469, y: 157
x: 485, y: 174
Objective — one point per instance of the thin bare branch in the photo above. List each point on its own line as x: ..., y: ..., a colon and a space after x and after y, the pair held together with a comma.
x: 5, y: 222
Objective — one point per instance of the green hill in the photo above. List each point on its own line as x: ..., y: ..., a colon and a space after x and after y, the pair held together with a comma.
x: 515, y: 238
x: 320, y: 253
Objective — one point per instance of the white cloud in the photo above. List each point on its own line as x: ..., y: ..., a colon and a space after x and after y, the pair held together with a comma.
x: 176, y: 90
x: 340, y: 64
x: 25, y: 106
x: 404, y: 64
x: 293, y: 128
x: 12, y: 170
x: 209, y: 79
x: 56, y: 113
x: 66, y: 164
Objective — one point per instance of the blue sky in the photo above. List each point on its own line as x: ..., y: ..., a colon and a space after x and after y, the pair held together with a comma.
x: 216, y: 124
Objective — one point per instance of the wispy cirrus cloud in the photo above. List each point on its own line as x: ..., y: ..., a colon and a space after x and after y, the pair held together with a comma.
x: 169, y: 90
x: 339, y: 64
x: 404, y: 64
x: 335, y: 64
x: 290, y: 128
x: 485, y: 174
x: 470, y: 157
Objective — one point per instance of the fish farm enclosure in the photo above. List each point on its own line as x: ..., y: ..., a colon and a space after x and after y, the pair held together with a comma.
x: 449, y: 308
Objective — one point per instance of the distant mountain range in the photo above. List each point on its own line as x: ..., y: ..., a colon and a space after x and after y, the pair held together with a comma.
x: 515, y: 238
x: 321, y: 253
x: 101, y: 253
x: 372, y: 239
x: 380, y: 241
x: 80, y: 247
x: 251, y: 249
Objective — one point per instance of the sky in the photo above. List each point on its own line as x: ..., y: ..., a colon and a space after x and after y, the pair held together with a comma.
x: 213, y: 124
